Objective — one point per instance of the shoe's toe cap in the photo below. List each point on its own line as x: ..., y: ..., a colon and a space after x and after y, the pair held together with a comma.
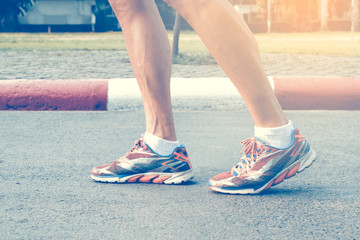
x: 101, y: 170
x: 220, y: 180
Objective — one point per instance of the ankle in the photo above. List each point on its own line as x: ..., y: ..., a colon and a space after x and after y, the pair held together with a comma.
x: 159, y: 145
x: 279, y: 137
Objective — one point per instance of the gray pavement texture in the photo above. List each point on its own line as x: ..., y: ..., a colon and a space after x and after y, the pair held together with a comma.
x: 115, y: 64
x: 46, y: 191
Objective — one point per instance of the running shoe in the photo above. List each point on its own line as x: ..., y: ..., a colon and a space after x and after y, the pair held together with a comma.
x: 142, y: 164
x: 262, y: 166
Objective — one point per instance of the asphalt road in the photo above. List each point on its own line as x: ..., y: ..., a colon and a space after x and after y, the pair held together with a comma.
x: 46, y: 191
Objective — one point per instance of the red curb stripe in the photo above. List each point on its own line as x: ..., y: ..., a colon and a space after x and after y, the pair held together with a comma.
x: 318, y: 93
x: 53, y: 95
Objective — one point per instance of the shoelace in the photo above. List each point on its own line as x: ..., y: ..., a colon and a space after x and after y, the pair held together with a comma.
x: 252, y: 149
x: 139, y: 144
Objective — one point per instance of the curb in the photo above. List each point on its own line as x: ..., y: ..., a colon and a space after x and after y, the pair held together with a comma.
x: 37, y: 95
x: 318, y: 93
x: 294, y: 93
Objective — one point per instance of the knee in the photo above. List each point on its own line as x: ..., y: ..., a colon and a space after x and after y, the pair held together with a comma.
x: 122, y: 5
x: 125, y: 9
x: 184, y: 6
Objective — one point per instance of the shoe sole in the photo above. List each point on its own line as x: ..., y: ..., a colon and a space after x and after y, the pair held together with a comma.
x: 289, y: 172
x: 149, y: 177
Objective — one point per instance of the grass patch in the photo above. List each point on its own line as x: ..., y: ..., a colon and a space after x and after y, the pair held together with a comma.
x: 319, y: 43
x: 61, y: 41
x: 192, y: 50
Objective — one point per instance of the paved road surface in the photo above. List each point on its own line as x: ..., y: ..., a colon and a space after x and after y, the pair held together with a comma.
x: 46, y: 191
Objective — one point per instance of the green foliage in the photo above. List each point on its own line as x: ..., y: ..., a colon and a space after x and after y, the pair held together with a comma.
x: 16, y: 6
x: 9, y: 11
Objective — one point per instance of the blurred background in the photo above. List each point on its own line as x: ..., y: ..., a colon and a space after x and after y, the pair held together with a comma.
x: 76, y: 39
x: 97, y: 15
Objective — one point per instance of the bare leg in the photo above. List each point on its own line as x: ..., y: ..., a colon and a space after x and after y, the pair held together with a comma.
x: 233, y: 46
x: 149, y: 51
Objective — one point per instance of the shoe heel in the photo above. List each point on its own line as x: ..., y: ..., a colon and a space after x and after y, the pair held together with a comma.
x: 181, y: 177
x: 308, y: 160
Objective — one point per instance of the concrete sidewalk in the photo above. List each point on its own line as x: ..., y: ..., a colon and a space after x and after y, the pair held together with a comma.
x: 46, y: 191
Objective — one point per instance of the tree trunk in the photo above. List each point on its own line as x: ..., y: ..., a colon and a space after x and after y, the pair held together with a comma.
x: 269, y: 16
x: 354, y: 15
x: 324, y: 14
x: 177, y: 28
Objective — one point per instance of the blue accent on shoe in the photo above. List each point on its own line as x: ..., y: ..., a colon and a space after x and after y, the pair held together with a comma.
x: 181, y: 146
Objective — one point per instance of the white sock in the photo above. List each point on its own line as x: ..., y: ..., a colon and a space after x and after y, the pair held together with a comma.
x: 160, y: 146
x: 279, y: 137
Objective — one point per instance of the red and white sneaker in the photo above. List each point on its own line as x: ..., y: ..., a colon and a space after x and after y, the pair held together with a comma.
x: 262, y: 166
x: 142, y: 164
